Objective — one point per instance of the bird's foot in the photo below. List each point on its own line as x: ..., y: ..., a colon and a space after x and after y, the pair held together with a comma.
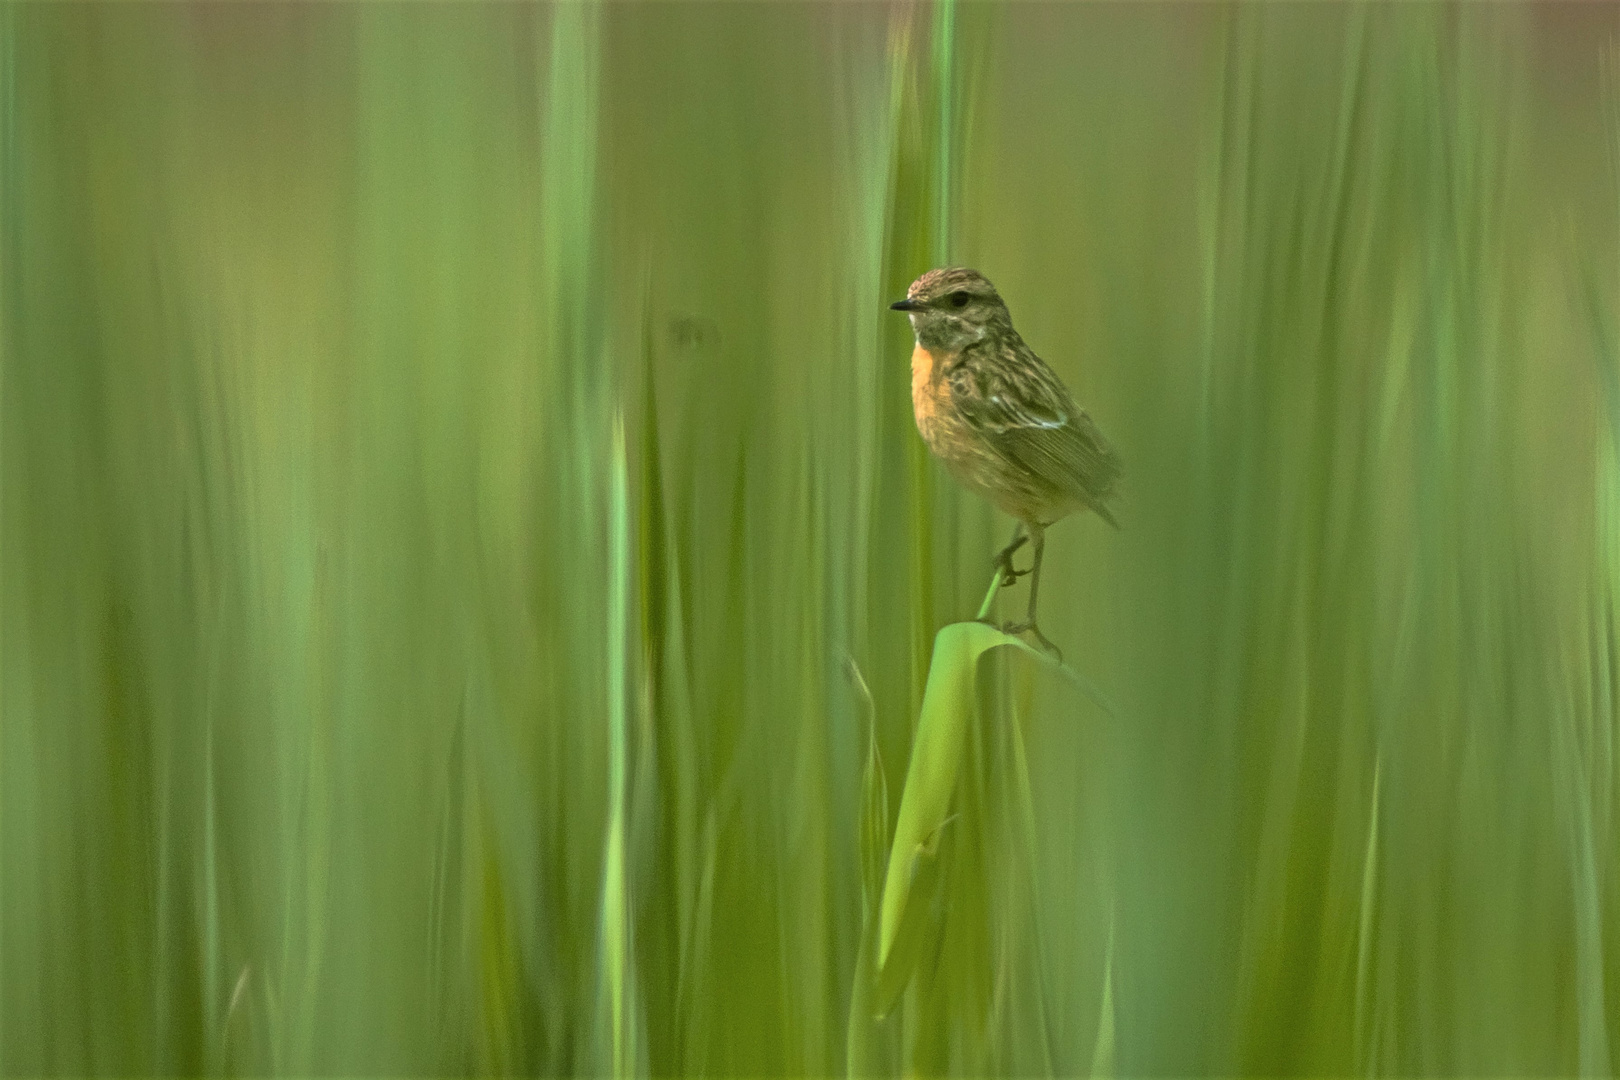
x: 1045, y: 643
x: 1003, y: 562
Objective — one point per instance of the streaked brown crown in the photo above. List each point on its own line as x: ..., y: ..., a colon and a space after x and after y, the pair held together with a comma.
x: 950, y: 279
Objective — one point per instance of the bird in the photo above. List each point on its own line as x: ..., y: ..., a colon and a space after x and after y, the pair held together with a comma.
x: 1001, y: 421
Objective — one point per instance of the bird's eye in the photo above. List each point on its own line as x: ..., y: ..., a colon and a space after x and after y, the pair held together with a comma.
x: 959, y: 299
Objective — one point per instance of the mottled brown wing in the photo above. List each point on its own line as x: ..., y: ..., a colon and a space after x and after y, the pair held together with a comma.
x: 1019, y: 407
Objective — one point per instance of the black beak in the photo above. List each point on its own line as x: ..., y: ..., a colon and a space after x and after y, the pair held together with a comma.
x: 905, y: 305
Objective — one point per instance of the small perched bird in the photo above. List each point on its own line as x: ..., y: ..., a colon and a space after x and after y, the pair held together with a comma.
x: 1000, y: 420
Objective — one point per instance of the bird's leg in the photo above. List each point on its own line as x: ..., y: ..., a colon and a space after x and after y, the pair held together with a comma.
x: 1003, y: 560
x: 1003, y: 574
x: 1039, y: 536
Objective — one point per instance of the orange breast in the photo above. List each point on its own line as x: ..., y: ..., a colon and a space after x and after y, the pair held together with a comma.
x: 928, y: 390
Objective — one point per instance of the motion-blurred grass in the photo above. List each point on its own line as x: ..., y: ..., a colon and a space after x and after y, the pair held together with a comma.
x: 468, y: 575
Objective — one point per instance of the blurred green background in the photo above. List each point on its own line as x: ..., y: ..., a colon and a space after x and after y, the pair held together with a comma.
x: 459, y: 484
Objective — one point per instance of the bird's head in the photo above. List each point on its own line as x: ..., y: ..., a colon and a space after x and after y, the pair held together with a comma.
x: 952, y: 307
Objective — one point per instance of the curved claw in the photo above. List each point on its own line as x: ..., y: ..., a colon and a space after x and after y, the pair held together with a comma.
x: 1045, y: 643
x: 1003, y: 562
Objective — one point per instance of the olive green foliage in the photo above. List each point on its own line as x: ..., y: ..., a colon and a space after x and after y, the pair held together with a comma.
x: 469, y: 577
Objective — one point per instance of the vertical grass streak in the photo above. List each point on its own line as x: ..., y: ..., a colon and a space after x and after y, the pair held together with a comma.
x: 945, y: 167
x: 1016, y: 791
x: 578, y: 458
x: 8, y: 184
x: 1102, y: 1052
x: 617, y: 928
x: 1366, y: 1056
x: 864, y: 1045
